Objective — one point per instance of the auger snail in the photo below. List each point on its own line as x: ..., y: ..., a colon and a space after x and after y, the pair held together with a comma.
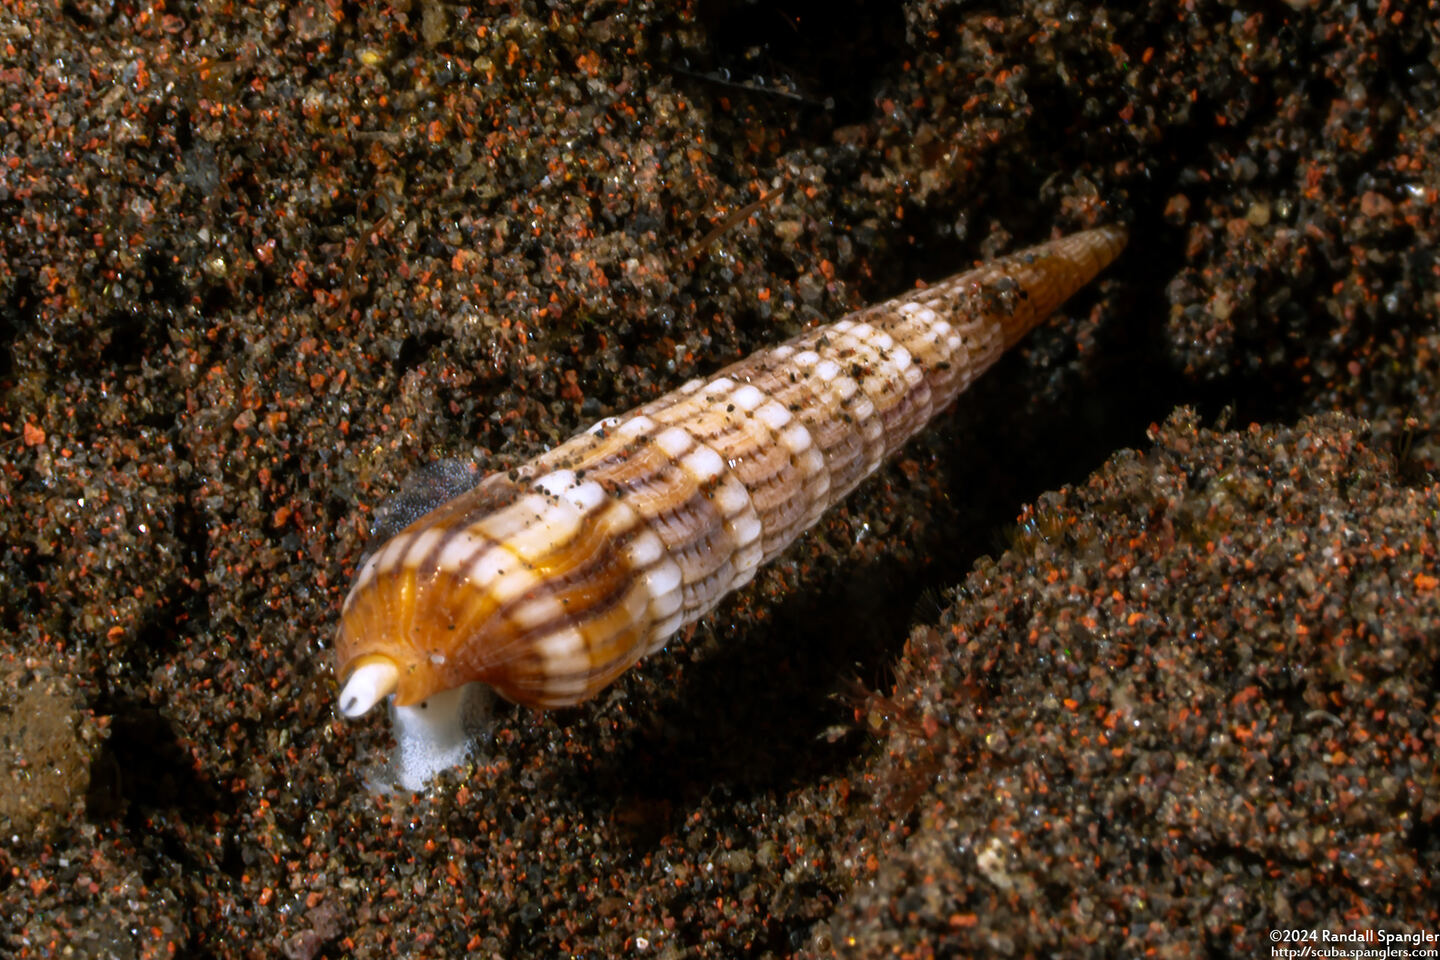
x: 548, y: 582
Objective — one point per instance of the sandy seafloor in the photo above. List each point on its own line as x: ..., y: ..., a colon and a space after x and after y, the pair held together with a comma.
x: 259, y: 263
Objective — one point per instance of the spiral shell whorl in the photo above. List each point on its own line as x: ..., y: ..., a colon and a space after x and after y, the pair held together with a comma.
x: 549, y: 584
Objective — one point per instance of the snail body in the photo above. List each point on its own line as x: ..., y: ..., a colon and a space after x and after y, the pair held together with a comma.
x: 547, y: 582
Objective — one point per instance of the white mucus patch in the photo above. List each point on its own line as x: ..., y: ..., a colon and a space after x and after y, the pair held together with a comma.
x: 437, y: 734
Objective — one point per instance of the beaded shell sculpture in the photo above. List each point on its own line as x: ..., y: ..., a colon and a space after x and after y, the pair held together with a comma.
x: 547, y: 582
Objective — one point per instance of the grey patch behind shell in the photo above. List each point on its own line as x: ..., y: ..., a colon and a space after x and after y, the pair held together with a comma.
x: 427, y: 488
